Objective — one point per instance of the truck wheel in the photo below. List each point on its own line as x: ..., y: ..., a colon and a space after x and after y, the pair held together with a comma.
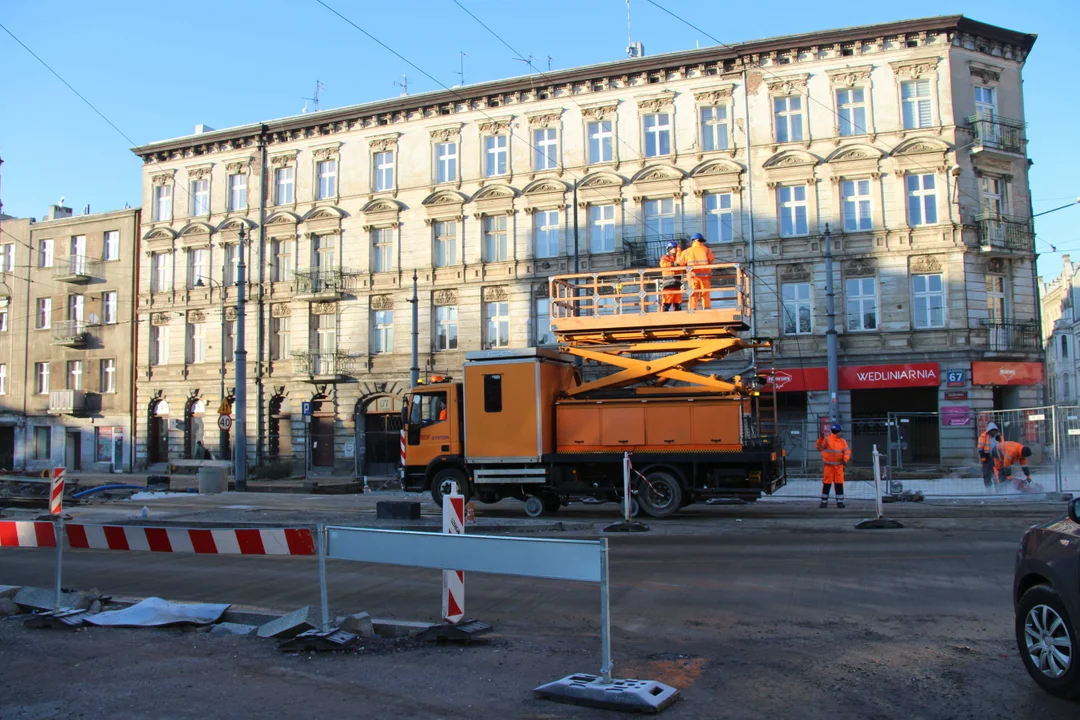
x: 534, y: 506
x: 659, y: 494
x: 552, y: 503
x: 440, y: 484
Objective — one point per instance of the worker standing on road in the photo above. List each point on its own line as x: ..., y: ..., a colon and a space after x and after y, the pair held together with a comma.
x: 988, y: 449
x: 671, y: 297
x: 835, y: 453
x: 699, y: 254
x: 1011, y: 453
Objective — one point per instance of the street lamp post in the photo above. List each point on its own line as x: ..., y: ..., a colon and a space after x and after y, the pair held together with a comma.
x: 241, y: 370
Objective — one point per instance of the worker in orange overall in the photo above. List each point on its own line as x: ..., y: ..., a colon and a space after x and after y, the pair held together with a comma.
x: 988, y: 450
x: 1012, y: 453
x: 835, y: 453
x: 671, y: 296
x: 699, y: 254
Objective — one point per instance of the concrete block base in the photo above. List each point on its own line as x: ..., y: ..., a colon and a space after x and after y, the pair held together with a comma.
x: 291, y: 625
x: 644, y: 696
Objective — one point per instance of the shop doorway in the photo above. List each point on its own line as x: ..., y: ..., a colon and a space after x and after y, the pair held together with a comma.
x: 157, y: 436
x: 7, y: 448
x: 378, y: 435
x: 193, y: 426
x: 73, y: 450
x: 279, y: 429
x: 915, y: 434
x: 321, y: 432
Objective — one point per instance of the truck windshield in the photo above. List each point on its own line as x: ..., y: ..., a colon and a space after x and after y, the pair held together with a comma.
x: 428, y: 408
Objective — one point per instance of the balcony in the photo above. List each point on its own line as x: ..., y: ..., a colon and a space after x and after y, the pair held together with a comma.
x: 67, y: 402
x: 317, y: 285
x: 646, y: 250
x: 1012, y: 337
x: 77, y: 269
x: 71, y: 333
x: 325, y: 367
x: 990, y: 132
x: 1009, y: 232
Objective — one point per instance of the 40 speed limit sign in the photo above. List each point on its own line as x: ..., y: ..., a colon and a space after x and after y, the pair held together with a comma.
x: 224, y: 422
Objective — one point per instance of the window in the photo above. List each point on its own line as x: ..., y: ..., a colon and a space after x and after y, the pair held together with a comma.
x: 162, y: 203
x: 112, y: 245
x: 856, y: 199
x: 545, y: 149
x: 382, y: 248
x: 3, y: 319
x: 325, y: 327
x: 3, y: 379
x: 74, y: 375
x: 283, y: 185
x: 922, y: 200
x: 719, y: 217
x: 995, y: 298
x: 76, y: 305
x: 660, y: 217
x: 279, y: 338
x: 230, y: 341
x: 109, y: 305
x: 326, y: 173
x: 44, y: 313
x: 45, y: 253
x: 986, y: 102
x: 445, y: 243
x: 495, y: 155
x: 382, y: 332
x: 161, y: 277
x: 446, y: 162
x: 496, y: 247
x: 793, y: 210
x: 714, y: 128
x: 994, y: 195
x: 384, y: 170
x: 788, y: 117
x: 230, y: 262
x: 42, y: 443
x: 492, y: 393
x: 861, y: 304
x: 200, y: 197
x: 548, y: 226
x: 601, y: 141
x: 601, y: 228
x: 496, y: 325
x: 1065, y: 346
x: 928, y: 299
x: 657, y: 134
x: 325, y: 252
x: 41, y: 378
x: 281, y: 257
x: 238, y: 192
x: 198, y: 266
x: 196, y: 343
x: 542, y: 322
x: 851, y: 111
x: 159, y: 345
x: 7, y: 258
x: 104, y: 439
x: 798, y: 308
x: 918, y: 109
x: 108, y: 375
x: 446, y: 327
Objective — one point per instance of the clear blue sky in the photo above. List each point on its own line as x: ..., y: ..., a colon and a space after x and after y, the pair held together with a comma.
x: 156, y: 69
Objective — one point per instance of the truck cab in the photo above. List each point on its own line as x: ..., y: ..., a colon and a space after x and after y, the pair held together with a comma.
x: 432, y: 422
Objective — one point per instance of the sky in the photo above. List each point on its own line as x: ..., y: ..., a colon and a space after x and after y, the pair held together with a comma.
x: 155, y: 71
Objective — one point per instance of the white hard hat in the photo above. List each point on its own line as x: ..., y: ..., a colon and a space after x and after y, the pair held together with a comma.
x: 991, y: 426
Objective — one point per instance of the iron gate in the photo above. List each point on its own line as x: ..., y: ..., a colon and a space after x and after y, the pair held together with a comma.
x: 382, y: 444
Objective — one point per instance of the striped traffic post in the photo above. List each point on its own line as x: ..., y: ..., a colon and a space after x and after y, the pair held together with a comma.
x: 56, y: 493
x: 403, y: 450
x: 453, y: 581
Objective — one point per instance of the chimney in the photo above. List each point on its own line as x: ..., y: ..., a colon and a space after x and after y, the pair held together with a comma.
x: 57, y: 212
x: 200, y: 129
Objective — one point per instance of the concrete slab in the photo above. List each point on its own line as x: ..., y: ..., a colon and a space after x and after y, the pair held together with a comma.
x: 230, y: 628
x: 291, y: 625
x: 358, y: 624
x: 33, y: 598
x: 9, y: 591
x: 9, y: 608
x: 246, y: 616
x: 398, y: 628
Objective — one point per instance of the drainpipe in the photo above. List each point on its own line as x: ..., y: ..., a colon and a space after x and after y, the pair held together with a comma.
x: 135, y: 264
x: 260, y: 367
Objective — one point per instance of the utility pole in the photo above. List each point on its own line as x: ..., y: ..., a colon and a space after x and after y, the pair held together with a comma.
x: 241, y: 371
x: 414, y: 373
x: 830, y: 334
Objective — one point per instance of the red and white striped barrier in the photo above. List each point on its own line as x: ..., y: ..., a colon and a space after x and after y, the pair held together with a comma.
x: 403, y: 447
x: 453, y: 609
x: 281, y: 541
x: 56, y: 493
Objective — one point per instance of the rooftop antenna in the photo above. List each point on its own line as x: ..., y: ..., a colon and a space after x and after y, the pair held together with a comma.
x: 633, y: 49
x: 62, y: 201
x: 318, y: 86
x: 528, y: 61
x: 461, y: 62
x: 549, y: 62
x: 404, y: 84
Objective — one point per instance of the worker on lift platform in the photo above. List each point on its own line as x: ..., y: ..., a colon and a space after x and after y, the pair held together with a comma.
x: 699, y: 254
x: 671, y: 297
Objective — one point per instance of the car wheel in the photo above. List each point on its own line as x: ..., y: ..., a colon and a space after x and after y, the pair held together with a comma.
x: 440, y: 484
x: 1046, y: 638
x: 659, y: 494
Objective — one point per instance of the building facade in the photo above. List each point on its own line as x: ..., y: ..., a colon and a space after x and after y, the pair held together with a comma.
x: 906, y: 140
x: 1059, y: 333
x: 67, y: 332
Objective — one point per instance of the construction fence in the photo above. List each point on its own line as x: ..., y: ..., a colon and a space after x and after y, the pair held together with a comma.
x: 911, y: 448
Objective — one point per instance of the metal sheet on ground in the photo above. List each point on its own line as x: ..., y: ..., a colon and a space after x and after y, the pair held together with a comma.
x: 528, y: 557
x: 155, y: 612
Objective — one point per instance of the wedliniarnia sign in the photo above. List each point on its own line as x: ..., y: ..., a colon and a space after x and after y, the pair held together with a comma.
x: 881, y: 376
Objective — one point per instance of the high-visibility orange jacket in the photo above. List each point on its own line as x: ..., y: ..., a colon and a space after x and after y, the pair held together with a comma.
x: 1011, y: 454
x: 668, y: 261
x: 698, y: 254
x: 834, y: 449
x: 984, y: 443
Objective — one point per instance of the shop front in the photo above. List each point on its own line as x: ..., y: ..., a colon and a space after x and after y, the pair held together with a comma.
x: 1015, y: 384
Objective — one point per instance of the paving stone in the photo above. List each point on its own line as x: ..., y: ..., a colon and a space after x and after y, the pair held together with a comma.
x: 249, y: 617
x: 230, y: 628
x: 33, y: 598
x: 8, y: 607
x: 358, y: 624
x: 398, y: 628
x: 291, y: 625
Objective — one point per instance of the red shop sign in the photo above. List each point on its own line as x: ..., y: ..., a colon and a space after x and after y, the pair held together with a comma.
x: 859, y: 377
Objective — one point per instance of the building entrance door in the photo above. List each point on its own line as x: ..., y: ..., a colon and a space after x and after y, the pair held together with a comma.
x: 73, y: 450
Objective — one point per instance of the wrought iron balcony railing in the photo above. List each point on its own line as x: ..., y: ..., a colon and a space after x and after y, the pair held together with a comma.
x: 1006, y: 231
x: 71, y: 333
x: 325, y: 363
x: 77, y: 269
x: 1012, y: 336
x: 997, y: 133
x: 318, y: 282
x: 646, y: 250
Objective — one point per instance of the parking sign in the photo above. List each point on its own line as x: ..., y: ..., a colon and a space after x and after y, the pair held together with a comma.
x: 305, y: 409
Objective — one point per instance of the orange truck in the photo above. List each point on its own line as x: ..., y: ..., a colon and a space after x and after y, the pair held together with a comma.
x: 525, y: 424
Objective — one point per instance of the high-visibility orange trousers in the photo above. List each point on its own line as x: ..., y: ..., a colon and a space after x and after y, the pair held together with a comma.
x: 699, y: 291
x: 671, y: 298
x: 833, y: 474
